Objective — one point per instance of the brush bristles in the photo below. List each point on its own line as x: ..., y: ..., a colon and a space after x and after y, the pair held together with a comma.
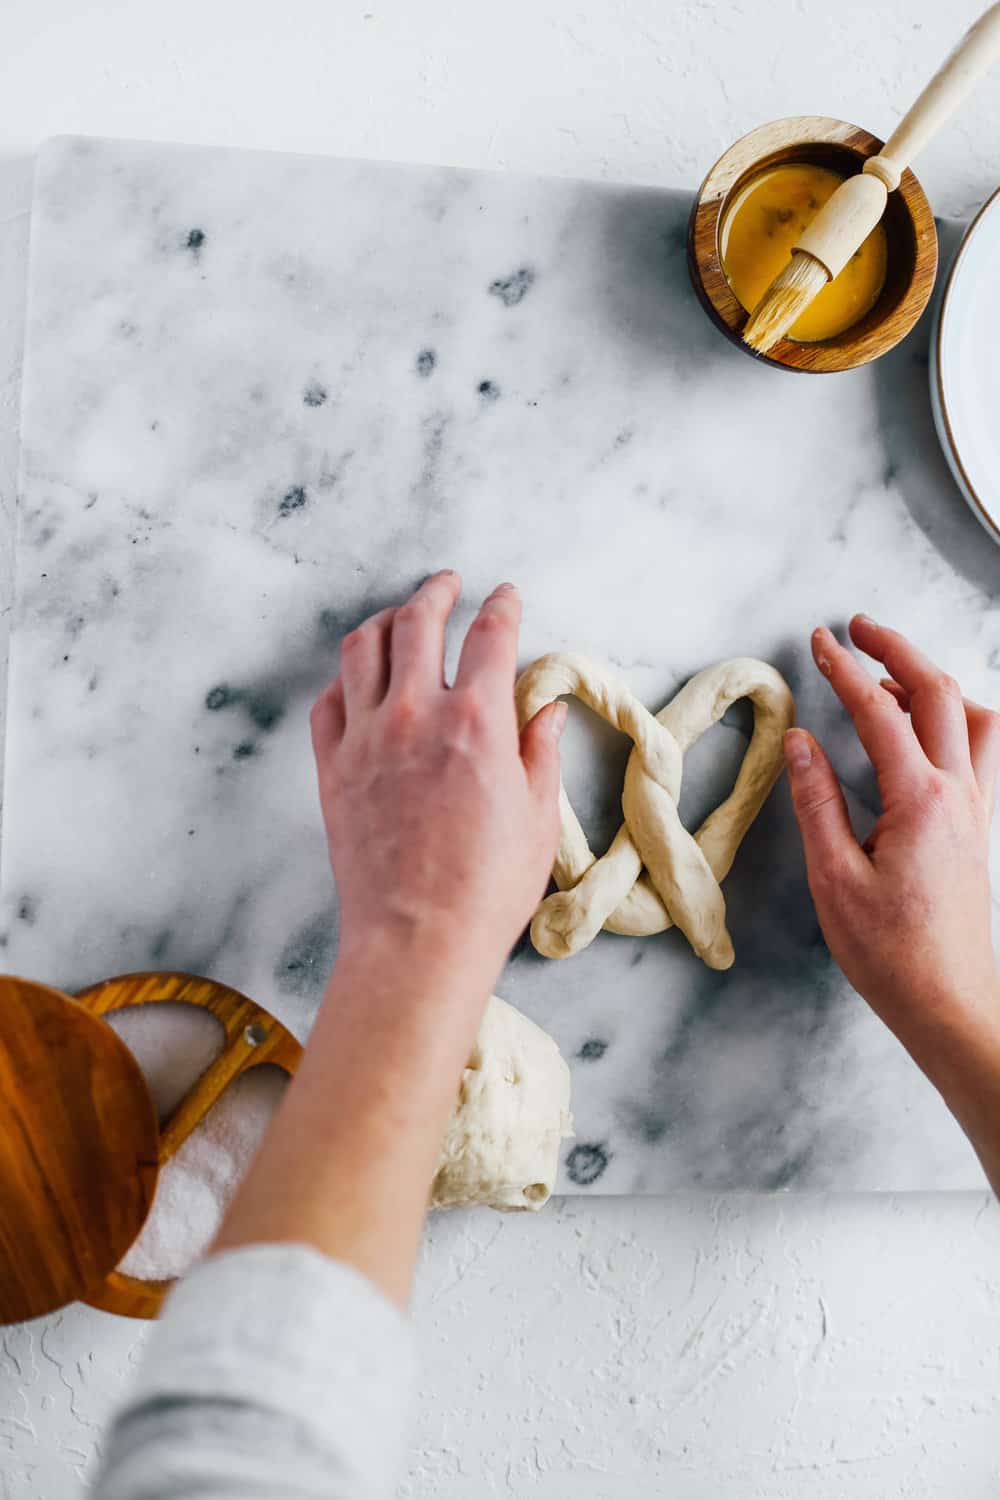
x: 788, y: 296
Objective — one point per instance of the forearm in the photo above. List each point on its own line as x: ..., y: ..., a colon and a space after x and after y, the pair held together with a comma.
x: 442, y: 817
x: 348, y: 1162
x: 964, y: 1065
x: 952, y: 1032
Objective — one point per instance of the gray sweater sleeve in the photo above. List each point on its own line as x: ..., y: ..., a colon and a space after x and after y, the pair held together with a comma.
x: 274, y: 1372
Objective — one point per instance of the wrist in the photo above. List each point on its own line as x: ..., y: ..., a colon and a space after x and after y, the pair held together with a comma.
x: 962, y: 1060
x: 402, y: 1018
x: 437, y: 962
x: 955, y: 1031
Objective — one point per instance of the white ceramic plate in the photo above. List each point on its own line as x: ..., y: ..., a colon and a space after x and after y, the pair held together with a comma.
x: 965, y: 367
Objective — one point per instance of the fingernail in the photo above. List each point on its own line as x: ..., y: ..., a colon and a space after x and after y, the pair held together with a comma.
x: 819, y: 655
x: 866, y: 620
x: 505, y: 588
x: 798, y: 749
x: 557, y: 721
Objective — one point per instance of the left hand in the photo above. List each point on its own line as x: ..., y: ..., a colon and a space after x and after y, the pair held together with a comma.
x: 442, y: 824
x: 441, y: 818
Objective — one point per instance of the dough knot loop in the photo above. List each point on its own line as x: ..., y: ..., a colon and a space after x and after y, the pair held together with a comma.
x: 656, y: 874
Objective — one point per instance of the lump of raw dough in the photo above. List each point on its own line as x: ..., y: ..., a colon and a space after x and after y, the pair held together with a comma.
x: 502, y: 1144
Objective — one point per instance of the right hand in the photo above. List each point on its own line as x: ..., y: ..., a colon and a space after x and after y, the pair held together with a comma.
x: 907, y: 916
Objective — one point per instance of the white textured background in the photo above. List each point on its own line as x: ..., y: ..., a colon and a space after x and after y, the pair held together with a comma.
x: 692, y: 1348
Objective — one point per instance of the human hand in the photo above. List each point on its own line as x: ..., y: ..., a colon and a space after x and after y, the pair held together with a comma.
x: 442, y: 821
x: 907, y: 916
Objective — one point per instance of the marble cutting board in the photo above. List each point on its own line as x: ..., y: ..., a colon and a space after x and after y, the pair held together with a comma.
x: 263, y: 396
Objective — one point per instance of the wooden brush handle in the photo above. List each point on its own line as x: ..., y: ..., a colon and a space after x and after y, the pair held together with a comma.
x: 975, y: 54
x: 845, y: 220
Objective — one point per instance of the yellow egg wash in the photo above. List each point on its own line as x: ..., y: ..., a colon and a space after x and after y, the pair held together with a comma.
x: 759, y: 229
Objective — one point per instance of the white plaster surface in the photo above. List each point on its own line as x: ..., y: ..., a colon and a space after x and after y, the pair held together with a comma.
x: 686, y: 1347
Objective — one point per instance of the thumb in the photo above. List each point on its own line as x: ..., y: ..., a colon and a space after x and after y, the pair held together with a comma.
x: 540, y: 750
x: 820, y: 809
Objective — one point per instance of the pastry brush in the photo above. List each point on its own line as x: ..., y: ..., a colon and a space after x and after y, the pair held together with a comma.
x: 852, y: 212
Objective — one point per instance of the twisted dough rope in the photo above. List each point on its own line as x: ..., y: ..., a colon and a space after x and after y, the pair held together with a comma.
x: 655, y: 874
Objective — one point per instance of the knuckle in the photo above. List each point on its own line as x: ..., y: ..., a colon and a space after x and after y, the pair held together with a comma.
x: 936, y: 790
x: 323, y: 701
x: 410, y: 613
x: 494, y: 621
x: 878, y: 700
x: 872, y: 699
x: 831, y: 879
x: 946, y: 688
x: 402, y: 713
x: 430, y: 600
x: 355, y: 640
x: 812, y: 804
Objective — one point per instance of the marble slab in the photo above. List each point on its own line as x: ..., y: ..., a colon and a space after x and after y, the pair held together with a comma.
x: 263, y: 396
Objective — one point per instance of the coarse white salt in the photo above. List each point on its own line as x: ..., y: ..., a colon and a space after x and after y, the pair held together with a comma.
x: 174, y: 1043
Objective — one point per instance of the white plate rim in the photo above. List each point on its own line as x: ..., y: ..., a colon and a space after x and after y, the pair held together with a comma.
x: 939, y: 403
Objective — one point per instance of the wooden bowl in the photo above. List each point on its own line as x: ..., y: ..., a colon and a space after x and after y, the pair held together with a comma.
x: 80, y: 1147
x: 910, y: 235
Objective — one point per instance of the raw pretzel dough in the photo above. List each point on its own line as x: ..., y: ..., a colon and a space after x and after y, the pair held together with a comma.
x: 655, y: 873
x: 502, y: 1145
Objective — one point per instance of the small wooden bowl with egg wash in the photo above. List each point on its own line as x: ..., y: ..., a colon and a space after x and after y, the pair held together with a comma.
x: 911, y: 241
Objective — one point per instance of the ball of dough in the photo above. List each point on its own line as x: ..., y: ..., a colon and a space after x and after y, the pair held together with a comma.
x: 502, y: 1144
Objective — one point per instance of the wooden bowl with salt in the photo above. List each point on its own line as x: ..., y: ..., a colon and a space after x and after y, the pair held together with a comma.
x: 80, y: 1147
x: 253, y: 1038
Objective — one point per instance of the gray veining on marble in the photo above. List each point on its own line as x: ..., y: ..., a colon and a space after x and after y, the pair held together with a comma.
x: 265, y: 395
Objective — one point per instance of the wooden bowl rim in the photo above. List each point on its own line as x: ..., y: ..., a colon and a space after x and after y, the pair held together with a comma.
x: 847, y: 352
x: 129, y: 1296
